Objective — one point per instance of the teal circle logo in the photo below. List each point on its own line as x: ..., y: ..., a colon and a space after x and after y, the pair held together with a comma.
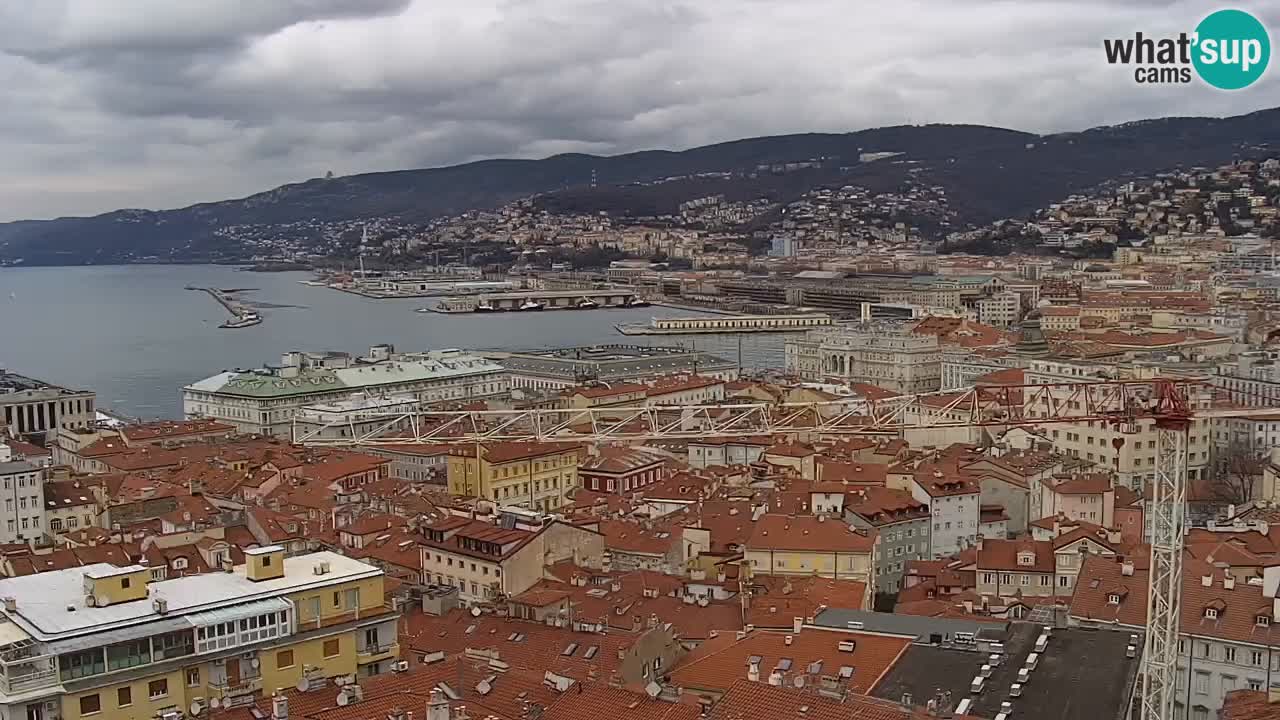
x: 1231, y: 49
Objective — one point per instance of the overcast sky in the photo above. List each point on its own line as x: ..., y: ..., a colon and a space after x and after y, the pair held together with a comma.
x: 162, y: 103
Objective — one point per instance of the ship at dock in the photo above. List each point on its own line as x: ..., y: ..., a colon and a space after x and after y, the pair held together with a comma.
x: 537, y: 300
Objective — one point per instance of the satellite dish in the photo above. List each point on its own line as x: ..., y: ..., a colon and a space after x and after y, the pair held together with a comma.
x: 302, y: 685
x: 798, y: 681
x: 197, y: 707
x: 214, y: 702
x: 342, y: 699
x: 255, y: 662
x: 475, y: 612
x: 652, y: 689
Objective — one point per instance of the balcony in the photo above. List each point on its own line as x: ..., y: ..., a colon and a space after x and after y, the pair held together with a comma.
x: 374, y: 652
x: 245, y: 686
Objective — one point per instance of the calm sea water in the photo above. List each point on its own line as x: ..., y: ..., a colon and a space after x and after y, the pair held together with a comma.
x: 134, y: 335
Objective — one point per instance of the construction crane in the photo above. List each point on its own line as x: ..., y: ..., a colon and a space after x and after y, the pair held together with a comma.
x: 1172, y: 406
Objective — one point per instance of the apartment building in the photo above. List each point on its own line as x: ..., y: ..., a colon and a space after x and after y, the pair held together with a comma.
x: 532, y: 475
x: 22, y: 516
x: 955, y: 506
x: 266, y: 400
x: 109, y: 642
x: 891, y: 357
x: 812, y: 545
x: 485, y: 561
x: 901, y: 521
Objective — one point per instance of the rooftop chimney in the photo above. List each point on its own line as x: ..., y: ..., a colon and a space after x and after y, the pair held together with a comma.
x: 1126, y: 568
x: 438, y: 706
x: 279, y: 706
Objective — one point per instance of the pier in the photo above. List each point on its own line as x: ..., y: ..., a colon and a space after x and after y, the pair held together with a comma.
x: 241, y: 315
x: 541, y: 300
x: 728, y: 324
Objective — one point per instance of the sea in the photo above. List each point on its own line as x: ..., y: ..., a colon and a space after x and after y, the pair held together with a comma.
x: 136, y: 336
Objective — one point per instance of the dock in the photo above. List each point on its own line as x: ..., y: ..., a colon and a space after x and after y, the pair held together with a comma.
x: 533, y: 300
x: 241, y: 315
x: 728, y: 324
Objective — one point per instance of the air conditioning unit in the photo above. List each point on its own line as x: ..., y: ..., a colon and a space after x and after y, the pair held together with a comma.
x: 400, y: 666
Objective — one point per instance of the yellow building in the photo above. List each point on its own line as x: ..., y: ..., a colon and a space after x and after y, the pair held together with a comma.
x: 812, y: 545
x: 533, y: 475
x: 107, y: 642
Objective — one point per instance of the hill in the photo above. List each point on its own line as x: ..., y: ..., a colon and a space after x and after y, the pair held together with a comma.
x: 987, y: 173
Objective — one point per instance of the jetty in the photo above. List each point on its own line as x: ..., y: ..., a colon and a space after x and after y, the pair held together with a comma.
x: 727, y: 324
x: 241, y: 315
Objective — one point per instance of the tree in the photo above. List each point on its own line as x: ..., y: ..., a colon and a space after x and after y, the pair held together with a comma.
x: 1236, y: 475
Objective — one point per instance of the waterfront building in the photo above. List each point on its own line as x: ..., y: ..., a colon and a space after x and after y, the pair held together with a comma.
x: 112, y: 642
x: 888, y: 356
x: 266, y: 400
x: 568, y: 367
x: 37, y: 409
x: 22, y: 518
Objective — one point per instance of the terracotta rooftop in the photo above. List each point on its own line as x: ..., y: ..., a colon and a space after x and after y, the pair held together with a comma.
x: 807, y: 533
x: 747, y: 700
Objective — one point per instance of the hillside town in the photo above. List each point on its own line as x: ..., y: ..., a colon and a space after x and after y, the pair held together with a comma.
x: 944, y: 502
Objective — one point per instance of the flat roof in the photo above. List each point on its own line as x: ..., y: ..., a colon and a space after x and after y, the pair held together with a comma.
x: 1082, y: 675
x: 51, y: 606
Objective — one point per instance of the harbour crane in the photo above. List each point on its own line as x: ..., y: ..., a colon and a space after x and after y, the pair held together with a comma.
x: 1171, y: 405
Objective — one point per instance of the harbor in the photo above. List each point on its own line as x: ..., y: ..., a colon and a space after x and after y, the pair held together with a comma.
x: 727, y: 324
x: 242, y: 315
x: 537, y: 300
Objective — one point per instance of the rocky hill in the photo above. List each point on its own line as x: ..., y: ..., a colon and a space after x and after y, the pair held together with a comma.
x: 987, y: 172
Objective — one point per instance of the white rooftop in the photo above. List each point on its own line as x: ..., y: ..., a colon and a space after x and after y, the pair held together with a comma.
x: 44, y: 599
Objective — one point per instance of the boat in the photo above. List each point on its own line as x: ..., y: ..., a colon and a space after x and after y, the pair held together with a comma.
x: 424, y: 310
x: 637, y: 302
x: 587, y: 304
x: 531, y: 305
x: 243, y: 321
x: 485, y: 306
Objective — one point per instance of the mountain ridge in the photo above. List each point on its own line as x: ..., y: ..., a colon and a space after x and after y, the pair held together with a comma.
x: 988, y: 172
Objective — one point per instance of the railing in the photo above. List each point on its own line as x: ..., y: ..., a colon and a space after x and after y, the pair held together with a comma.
x: 29, y: 681
x: 376, y: 648
x: 241, y: 687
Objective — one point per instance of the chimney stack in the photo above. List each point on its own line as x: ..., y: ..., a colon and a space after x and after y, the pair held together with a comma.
x: 797, y: 623
x: 438, y: 706
x: 279, y: 706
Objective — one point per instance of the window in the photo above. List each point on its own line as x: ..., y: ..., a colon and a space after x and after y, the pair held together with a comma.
x: 124, y: 696
x: 1255, y: 658
x: 1113, y: 598
x: 1202, y: 683
x: 284, y: 659
x: 1211, y: 613
x: 1255, y: 684
x: 82, y: 664
x: 266, y: 561
x: 124, y: 583
x: 90, y: 704
x: 1229, y: 654
x: 128, y: 654
x: 331, y: 647
x: 158, y: 688
x: 193, y: 677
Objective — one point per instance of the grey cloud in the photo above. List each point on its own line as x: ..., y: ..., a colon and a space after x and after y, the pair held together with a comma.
x: 156, y: 103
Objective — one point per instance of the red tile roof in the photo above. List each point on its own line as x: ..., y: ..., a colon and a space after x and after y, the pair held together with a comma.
x: 807, y: 533
x: 747, y: 700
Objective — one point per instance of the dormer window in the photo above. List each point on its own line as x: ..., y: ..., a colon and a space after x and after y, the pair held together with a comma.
x: 1264, y: 620
x: 1210, y: 613
x: 1113, y: 598
x: 1026, y: 559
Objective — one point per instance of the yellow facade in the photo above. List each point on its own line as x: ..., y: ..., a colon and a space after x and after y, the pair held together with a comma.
x: 339, y: 629
x: 540, y: 482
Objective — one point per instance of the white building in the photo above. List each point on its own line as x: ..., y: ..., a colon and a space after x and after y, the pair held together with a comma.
x: 954, y: 505
x: 999, y: 310
x: 889, y: 356
x: 266, y: 400
x: 22, y: 486
x: 34, y: 408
